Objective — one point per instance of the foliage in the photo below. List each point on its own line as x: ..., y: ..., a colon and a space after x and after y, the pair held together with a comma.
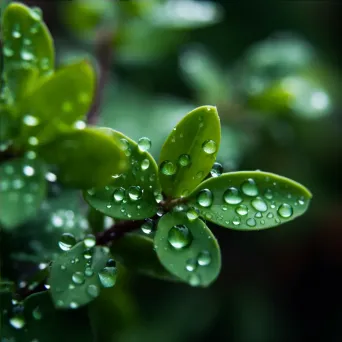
x: 144, y: 216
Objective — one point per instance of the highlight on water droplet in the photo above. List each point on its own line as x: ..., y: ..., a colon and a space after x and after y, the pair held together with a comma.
x: 192, y: 213
x: 78, y: 278
x: 232, y: 196
x: 209, y: 146
x: 179, y: 236
x: 144, y: 144
x: 30, y: 120
x: 168, y: 168
x: 216, y: 170
x: 249, y: 188
x: 205, y: 198
x: 194, y: 279
x: 147, y: 226
x: 134, y: 193
x: 145, y: 164
x: 251, y: 222
x: 184, y: 160
x: 242, y: 210
x: 285, y: 210
x: 89, y: 241
x: 66, y: 242
x: 191, y: 265
x: 259, y: 204
x: 119, y: 194
x: 93, y: 291
x: 204, y: 258
x: 108, y: 276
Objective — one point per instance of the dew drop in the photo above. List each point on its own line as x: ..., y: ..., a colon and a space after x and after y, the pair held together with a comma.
x: 205, y: 198
x: 270, y: 215
x: 144, y: 144
x: 242, y: 210
x: 66, y: 242
x: 236, y: 221
x: 73, y: 305
x: 145, y: 164
x: 259, y: 204
x: 134, y: 193
x: 7, y: 50
x: 78, y: 278
x: 28, y: 171
x: 268, y: 194
x: 168, y: 168
x: 249, y: 188
x: 179, y: 236
x: 88, y: 272
x: 119, y: 194
x: 251, y: 222
x: 36, y: 313
x: 191, y: 265
x: 147, y: 226
x: 209, y: 146
x: 107, y: 276
x: 90, y: 241
x: 192, y: 213
x: 194, y: 279
x: 93, y: 291
x: 184, y: 160
x: 232, y: 196
x: 30, y: 120
x: 36, y: 14
x: 285, y: 210
x: 204, y: 258
x: 17, y: 322
x: 216, y: 170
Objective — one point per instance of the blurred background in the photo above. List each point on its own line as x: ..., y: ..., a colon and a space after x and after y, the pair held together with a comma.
x: 273, y: 70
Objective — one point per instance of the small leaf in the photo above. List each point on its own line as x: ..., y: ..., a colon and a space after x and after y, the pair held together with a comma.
x: 185, y: 14
x: 250, y: 200
x: 189, y: 151
x: 85, y: 158
x: 187, y: 249
x: 22, y: 190
x: 28, y: 48
x: 136, y: 252
x: 132, y: 194
x: 75, y: 277
x: 58, y: 103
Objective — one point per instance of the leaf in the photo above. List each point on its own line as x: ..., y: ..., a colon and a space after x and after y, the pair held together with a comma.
x: 85, y: 157
x: 58, y: 103
x: 28, y: 48
x: 189, y: 151
x: 187, y: 249
x: 250, y: 200
x: 22, y: 190
x: 39, y: 312
x: 74, y: 277
x: 131, y: 195
x: 136, y: 252
x: 185, y: 14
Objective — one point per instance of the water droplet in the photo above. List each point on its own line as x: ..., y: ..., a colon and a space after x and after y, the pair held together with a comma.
x: 145, y: 164
x: 192, y: 213
x: 79, y: 124
x: 17, y: 322
x: 90, y: 241
x: 216, y: 170
x: 259, y: 204
x: 73, y: 305
x: 270, y: 215
x: 205, y: 198
x: 144, y: 144
x: 88, y: 272
x: 51, y: 177
x: 119, y: 194
x: 158, y: 196
x: 179, y: 236
x: 93, y: 291
x: 168, y: 168
x: 147, y: 226
x: 134, y: 193
x: 66, y: 242
x: 16, y: 32
x: 78, y: 278
x: 236, y: 221
x: 33, y: 141
x: 232, y: 196
x: 36, y: 13
x: 194, y: 279
x: 26, y: 55
x: 184, y: 160
x: 258, y: 215
x: 268, y: 194
x: 285, y: 210
x: 107, y: 276
x: 204, y: 258
x: 242, y: 210
x: 209, y: 146
x: 251, y: 222
x: 28, y: 170
x: 45, y: 64
x: 191, y: 265
x: 249, y: 188
x: 7, y: 50
x: 36, y: 313
x: 199, y: 175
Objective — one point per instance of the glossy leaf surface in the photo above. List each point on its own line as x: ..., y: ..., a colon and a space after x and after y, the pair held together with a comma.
x: 131, y: 194
x: 189, y: 151
x: 187, y: 249
x: 250, y: 200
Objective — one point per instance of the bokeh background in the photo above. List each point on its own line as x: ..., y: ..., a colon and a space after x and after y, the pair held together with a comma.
x: 273, y: 70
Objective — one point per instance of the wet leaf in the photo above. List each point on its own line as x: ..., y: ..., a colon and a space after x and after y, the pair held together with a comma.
x: 58, y: 103
x: 28, y: 48
x: 136, y: 252
x: 85, y: 158
x: 250, y: 200
x: 189, y: 151
x: 187, y: 249
x: 75, y: 277
x: 22, y: 190
x: 131, y: 194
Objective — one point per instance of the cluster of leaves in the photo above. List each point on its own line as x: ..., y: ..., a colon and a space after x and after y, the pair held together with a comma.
x: 42, y: 112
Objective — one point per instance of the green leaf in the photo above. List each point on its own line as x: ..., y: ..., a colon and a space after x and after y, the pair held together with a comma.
x: 189, y: 151
x: 75, y: 279
x: 28, y: 48
x: 136, y: 252
x: 250, y: 200
x: 185, y: 14
x: 85, y: 158
x: 132, y: 194
x: 187, y: 249
x: 58, y: 103
x: 22, y: 190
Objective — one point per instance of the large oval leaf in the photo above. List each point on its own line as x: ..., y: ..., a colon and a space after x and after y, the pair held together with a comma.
x: 187, y: 249
x: 189, y: 151
x: 136, y: 252
x: 85, y: 158
x: 132, y: 194
x: 75, y: 277
x: 250, y: 200
x: 22, y: 190
x: 58, y: 103
x: 28, y: 48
